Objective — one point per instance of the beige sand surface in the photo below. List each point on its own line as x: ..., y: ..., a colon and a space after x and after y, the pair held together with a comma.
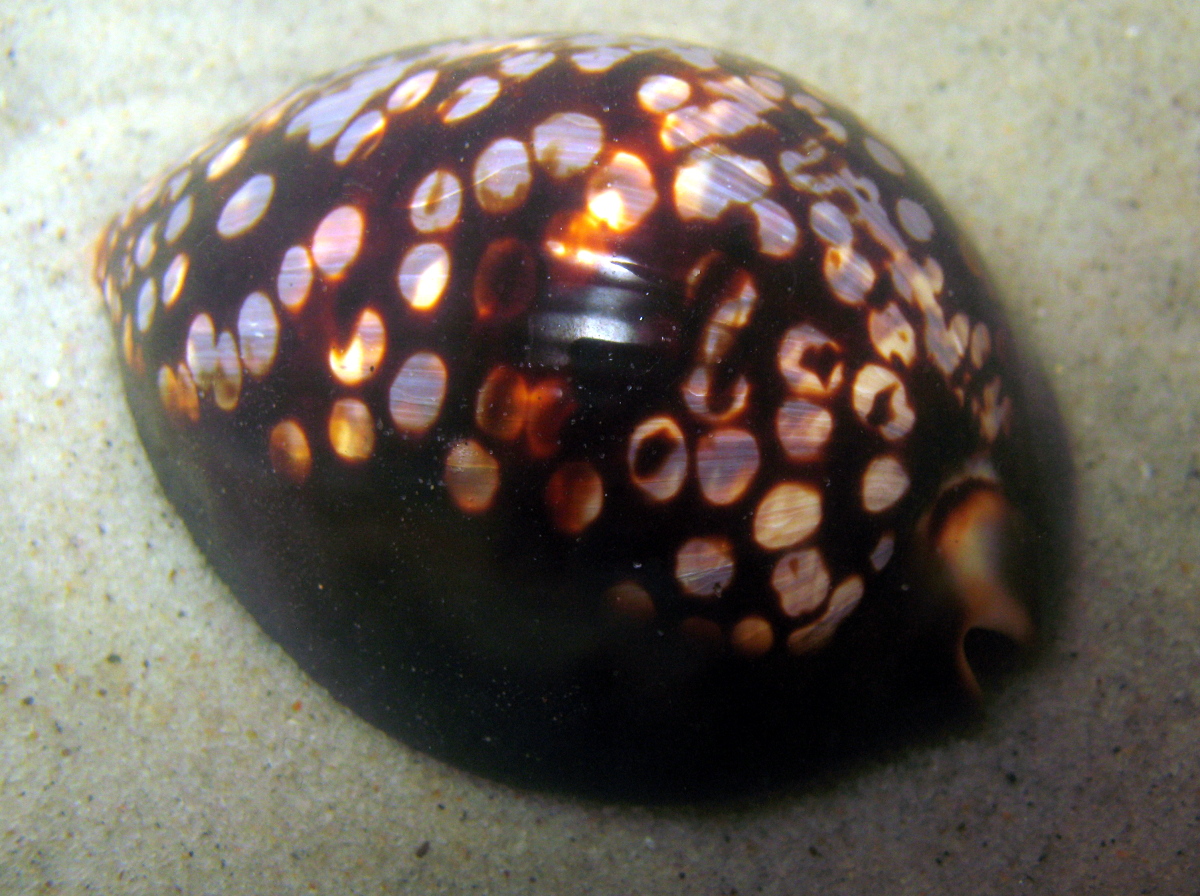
x: 153, y: 741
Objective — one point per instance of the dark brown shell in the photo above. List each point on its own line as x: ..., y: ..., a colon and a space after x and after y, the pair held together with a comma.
x: 591, y: 412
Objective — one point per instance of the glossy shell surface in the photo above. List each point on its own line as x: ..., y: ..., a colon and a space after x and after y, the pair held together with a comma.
x: 584, y: 410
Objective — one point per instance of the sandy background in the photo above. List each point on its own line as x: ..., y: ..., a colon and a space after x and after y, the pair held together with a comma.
x: 153, y: 741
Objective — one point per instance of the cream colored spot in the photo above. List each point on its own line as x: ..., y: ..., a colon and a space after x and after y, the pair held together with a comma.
x: 326, y: 117
x: 701, y: 125
x: 295, y: 278
x: 351, y: 430
x: 801, y: 580
x: 357, y: 135
x: 258, y: 333
x: 146, y: 300
x: 361, y: 357
x: 224, y: 161
x: 472, y: 476
x: 768, y: 87
x: 892, y: 335
x: 697, y: 391
x: 288, y: 449
x: 177, y: 392
x: 914, y: 219
x: 630, y: 600
x: 810, y: 361
x: 776, y: 230
x: 658, y: 458
x: 730, y: 317
x: 411, y: 91
x: 337, y: 240
x: 574, y: 497
x: 830, y: 223
x: 815, y: 635
x: 178, y: 220
x: 704, y: 566
x: 417, y: 393
x: 752, y: 636
x: 981, y: 345
x: 471, y: 96
x: 849, y: 274
x: 600, y: 59
x: 883, y: 484
x: 884, y: 156
x: 567, y: 143
x: 144, y: 251
x: 620, y: 193
x: 663, y: 93
x: 696, y: 57
x: 177, y: 183
x: 803, y: 428
x: 789, y: 513
x: 201, y: 351
x: 526, y: 64
x: 712, y: 179
x: 227, y: 382
x: 882, y: 555
x: 502, y: 176
x: 896, y: 417
x: 436, y: 202
x: 246, y: 207
x: 173, y: 279
x: 502, y: 403
x: 423, y: 275
x: 726, y: 462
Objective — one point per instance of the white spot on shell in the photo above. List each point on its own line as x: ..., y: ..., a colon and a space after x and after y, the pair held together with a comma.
x: 173, y: 279
x: 662, y: 436
x: 417, y: 393
x: 801, y: 581
x: 502, y: 176
x: 473, y: 95
x: 351, y: 430
x: 704, y: 566
x: 178, y: 220
x: 363, y: 354
x: 224, y: 161
x: 337, y: 240
x: 258, y: 333
x: 830, y: 223
x: 873, y: 382
x: 246, y: 207
x: 525, y: 64
x: 803, y: 428
x: 726, y: 463
x: 712, y: 179
x: 436, y: 202
x: 411, y: 91
x: 295, y: 278
x: 789, y: 513
x: 423, y: 275
x: 776, y: 229
x: 146, y: 300
x: 567, y: 143
x: 663, y: 93
x: 883, y: 484
x: 914, y: 219
x: 357, y: 135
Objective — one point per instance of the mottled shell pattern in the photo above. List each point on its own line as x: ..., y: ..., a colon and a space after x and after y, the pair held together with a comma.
x: 526, y: 391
